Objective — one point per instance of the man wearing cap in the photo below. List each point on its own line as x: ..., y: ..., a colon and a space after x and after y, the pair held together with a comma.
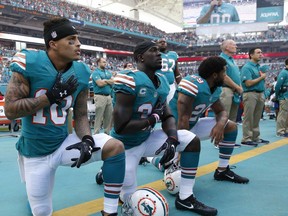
x: 44, y: 85
x: 140, y: 102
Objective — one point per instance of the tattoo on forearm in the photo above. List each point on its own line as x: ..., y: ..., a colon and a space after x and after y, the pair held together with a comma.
x: 17, y: 98
x: 80, y: 110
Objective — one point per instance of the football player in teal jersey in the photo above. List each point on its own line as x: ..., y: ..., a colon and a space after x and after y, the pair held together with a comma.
x: 196, y: 94
x: 140, y: 102
x: 169, y: 67
x: 43, y: 87
x: 218, y: 12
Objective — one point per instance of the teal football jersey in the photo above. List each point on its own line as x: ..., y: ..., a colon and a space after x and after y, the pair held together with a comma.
x: 169, y: 60
x: 198, y: 88
x: 138, y: 83
x: 224, y: 14
x: 47, y: 128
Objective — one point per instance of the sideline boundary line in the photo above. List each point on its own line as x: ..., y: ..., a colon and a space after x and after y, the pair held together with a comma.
x: 94, y: 206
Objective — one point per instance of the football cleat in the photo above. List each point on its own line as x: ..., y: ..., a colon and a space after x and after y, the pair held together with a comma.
x: 112, y: 214
x: 143, y: 161
x: 228, y: 175
x: 192, y: 204
x: 99, y: 177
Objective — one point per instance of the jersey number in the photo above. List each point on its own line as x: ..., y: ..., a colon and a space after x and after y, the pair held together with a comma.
x: 220, y: 18
x: 57, y: 119
x: 198, y: 110
x: 166, y: 63
x: 145, y: 109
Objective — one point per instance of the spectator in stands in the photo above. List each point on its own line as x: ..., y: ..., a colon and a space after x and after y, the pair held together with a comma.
x: 232, y: 89
x: 281, y: 91
x: 218, y: 12
x: 169, y: 67
x: 253, y: 83
x: 42, y: 102
x: 102, y: 85
x: 128, y: 66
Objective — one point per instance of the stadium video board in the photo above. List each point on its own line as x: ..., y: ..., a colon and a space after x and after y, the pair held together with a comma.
x: 236, y: 11
x: 270, y: 11
x: 214, y: 12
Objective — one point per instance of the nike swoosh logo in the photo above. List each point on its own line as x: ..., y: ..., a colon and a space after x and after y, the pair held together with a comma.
x: 189, y: 207
x: 231, y: 177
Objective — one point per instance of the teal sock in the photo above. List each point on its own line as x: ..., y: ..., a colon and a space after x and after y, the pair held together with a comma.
x: 113, y: 174
x: 155, y: 161
x: 189, y: 164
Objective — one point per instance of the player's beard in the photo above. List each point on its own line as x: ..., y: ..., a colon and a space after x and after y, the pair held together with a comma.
x: 158, y: 67
x: 219, y: 83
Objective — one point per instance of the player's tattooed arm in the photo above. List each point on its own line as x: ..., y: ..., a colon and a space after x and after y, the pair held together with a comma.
x: 17, y: 101
x: 82, y: 126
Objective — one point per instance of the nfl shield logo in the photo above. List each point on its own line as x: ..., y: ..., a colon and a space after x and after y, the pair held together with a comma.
x: 54, y: 34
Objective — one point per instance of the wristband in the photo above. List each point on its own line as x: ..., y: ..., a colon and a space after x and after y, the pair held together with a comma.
x: 176, y: 142
x: 152, y: 120
x: 156, y: 117
x: 89, y: 139
x: 173, y: 137
x: 179, y: 76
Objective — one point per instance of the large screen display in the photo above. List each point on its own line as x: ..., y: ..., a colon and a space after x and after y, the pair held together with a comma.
x: 199, y: 12
x: 270, y: 11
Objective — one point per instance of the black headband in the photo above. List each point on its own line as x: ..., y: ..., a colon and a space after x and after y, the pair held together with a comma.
x: 142, y: 48
x: 59, y: 31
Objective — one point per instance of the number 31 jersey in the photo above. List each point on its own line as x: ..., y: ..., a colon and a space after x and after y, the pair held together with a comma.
x: 197, y: 88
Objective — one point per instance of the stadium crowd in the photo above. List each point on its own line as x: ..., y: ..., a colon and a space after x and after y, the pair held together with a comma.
x: 189, y: 37
x: 115, y: 64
